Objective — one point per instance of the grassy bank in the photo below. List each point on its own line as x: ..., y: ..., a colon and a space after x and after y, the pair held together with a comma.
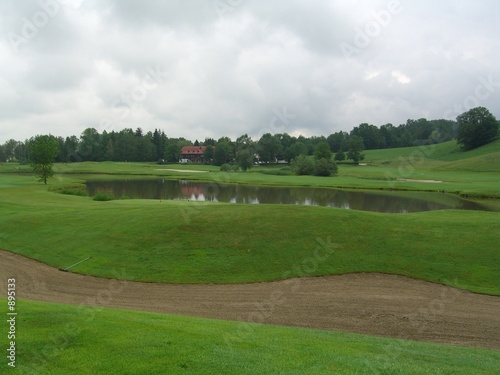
x: 472, y: 174
x: 66, y: 339
x: 192, y: 242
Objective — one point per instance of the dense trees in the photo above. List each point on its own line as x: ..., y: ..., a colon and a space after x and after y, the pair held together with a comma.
x: 138, y: 145
x: 321, y: 164
x: 223, y: 152
x: 476, y: 127
x: 269, y: 148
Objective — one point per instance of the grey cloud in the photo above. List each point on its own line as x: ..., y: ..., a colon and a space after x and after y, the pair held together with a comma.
x: 232, y: 64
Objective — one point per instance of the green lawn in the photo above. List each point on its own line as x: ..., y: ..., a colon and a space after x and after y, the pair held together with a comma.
x: 193, y: 242
x: 473, y: 173
x: 65, y: 339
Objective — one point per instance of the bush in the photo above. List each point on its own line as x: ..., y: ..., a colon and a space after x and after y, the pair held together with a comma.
x: 103, y: 196
x: 285, y: 171
x: 324, y: 167
x: 340, y: 156
x: 77, y: 190
x: 225, y: 167
x: 235, y: 168
x: 303, y: 165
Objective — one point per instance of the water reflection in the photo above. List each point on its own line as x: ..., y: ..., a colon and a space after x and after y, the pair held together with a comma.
x: 391, y: 202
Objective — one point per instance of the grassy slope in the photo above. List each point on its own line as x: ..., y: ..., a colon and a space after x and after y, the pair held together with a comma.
x: 66, y: 339
x: 443, y: 157
x: 444, y: 162
x: 189, y: 242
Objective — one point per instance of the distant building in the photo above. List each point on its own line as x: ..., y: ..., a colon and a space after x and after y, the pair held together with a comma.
x: 193, y: 154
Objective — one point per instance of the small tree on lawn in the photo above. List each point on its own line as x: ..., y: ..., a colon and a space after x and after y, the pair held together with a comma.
x: 356, y: 146
x: 42, y: 152
x: 322, y: 151
x: 244, y: 158
x: 340, y: 156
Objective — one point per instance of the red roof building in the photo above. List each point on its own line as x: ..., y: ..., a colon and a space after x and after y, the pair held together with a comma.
x: 195, y: 154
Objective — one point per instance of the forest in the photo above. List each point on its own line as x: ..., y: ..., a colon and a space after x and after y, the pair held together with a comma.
x: 139, y: 146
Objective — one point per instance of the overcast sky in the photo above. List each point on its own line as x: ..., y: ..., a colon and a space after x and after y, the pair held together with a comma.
x: 210, y: 68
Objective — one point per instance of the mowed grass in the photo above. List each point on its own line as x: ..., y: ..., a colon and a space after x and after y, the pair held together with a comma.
x: 445, y: 156
x: 193, y: 242
x: 67, y: 339
x: 473, y: 173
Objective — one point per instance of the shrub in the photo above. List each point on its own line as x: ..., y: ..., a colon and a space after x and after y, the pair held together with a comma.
x: 340, y: 156
x: 103, y: 196
x: 77, y: 190
x: 303, y: 165
x: 285, y: 171
x: 225, y: 167
x: 324, y: 167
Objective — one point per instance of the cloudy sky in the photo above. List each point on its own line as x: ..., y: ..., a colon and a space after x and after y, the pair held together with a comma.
x: 209, y: 68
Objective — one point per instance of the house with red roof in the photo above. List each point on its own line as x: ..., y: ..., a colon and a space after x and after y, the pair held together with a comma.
x: 193, y: 154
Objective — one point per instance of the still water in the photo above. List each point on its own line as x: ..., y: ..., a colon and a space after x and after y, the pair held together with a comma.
x: 378, y: 201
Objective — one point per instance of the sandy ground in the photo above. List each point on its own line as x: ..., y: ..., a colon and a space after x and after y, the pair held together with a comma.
x: 182, y: 170
x: 427, y: 181
x: 375, y: 304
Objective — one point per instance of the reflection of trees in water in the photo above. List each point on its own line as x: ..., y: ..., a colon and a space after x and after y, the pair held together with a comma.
x: 358, y: 200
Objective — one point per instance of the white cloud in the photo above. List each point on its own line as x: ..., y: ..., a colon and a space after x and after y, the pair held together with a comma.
x: 400, y: 77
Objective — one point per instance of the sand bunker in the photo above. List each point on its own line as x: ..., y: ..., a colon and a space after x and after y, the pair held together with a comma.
x: 426, y: 181
x: 375, y: 304
x: 182, y: 170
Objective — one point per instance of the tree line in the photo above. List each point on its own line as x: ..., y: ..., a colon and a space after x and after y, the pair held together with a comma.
x: 138, y: 146
x: 135, y: 145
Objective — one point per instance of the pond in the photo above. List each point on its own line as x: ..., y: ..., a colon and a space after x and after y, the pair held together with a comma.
x: 378, y: 201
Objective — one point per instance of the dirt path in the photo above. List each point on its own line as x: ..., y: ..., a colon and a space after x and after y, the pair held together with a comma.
x: 373, y: 304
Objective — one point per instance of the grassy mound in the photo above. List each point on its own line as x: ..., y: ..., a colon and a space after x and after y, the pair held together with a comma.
x: 445, y: 156
x: 193, y: 242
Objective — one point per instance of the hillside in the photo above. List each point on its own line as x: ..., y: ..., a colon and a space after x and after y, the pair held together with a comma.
x: 444, y: 156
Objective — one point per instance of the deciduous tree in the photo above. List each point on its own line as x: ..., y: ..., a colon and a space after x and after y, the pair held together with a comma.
x: 476, y: 127
x: 356, y: 146
x: 322, y: 151
x: 43, y: 150
x: 244, y: 158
